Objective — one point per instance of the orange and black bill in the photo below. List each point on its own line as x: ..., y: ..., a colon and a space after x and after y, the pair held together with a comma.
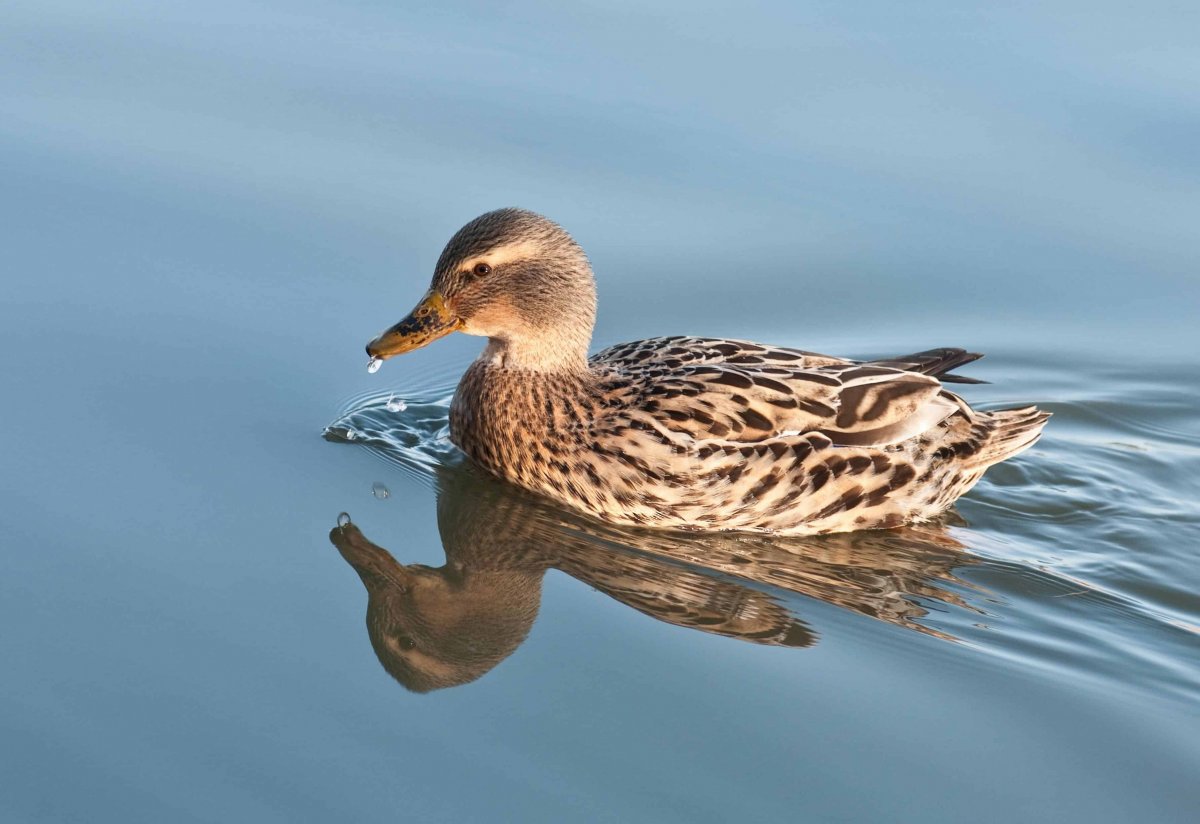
x: 432, y: 319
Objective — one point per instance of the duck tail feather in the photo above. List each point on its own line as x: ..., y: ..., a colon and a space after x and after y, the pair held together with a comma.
x: 1012, y: 432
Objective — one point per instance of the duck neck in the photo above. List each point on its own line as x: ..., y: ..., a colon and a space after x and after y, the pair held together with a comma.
x: 531, y: 353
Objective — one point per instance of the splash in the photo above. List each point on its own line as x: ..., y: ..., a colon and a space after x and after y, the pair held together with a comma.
x: 394, y: 404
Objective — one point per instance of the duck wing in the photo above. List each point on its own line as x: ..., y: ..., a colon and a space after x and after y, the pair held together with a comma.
x: 682, y: 350
x: 936, y: 362
x: 712, y: 389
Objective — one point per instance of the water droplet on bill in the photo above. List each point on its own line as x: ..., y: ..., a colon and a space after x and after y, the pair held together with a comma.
x: 380, y: 491
x: 344, y: 519
x: 394, y: 404
x: 373, y: 365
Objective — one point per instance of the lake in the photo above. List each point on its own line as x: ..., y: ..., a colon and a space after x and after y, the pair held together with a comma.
x: 209, y: 209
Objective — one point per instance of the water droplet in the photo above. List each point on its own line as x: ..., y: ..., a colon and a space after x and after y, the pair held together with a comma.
x: 350, y: 435
x: 394, y: 404
x: 373, y: 365
x: 344, y: 519
x: 380, y: 491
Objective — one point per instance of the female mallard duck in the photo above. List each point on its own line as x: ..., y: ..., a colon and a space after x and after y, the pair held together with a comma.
x: 683, y: 432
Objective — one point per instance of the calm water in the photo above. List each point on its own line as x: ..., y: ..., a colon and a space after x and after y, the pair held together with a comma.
x: 209, y: 208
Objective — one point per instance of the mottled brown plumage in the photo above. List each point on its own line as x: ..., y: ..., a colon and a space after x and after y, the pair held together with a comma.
x: 686, y: 432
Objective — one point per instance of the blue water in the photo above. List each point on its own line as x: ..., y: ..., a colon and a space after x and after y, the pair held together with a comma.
x: 208, y: 209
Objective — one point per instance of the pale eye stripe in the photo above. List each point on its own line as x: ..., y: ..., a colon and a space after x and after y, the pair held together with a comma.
x: 502, y: 255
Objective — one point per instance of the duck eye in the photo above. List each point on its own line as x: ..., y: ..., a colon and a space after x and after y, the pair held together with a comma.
x: 482, y: 269
x: 405, y: 642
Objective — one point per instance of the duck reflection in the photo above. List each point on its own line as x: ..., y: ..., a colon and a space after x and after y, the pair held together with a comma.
x: 435, y: 628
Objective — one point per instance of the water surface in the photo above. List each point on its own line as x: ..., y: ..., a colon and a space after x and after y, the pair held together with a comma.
x: 209, y: 209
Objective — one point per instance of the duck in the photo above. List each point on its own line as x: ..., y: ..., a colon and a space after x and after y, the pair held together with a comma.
x: 689, y: 433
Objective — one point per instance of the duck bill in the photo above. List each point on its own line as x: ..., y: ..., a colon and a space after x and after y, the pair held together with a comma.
x: 432, y: 319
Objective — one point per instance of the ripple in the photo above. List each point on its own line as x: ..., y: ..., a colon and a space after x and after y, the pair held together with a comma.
x: 416, y: 438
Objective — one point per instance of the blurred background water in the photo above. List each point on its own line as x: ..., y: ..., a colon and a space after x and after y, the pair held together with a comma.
x: 207, y: 209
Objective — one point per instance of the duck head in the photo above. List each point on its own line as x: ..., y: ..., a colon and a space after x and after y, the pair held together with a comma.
x: 513, y: 277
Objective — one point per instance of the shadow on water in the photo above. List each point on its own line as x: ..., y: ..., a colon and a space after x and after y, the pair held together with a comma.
x: 434, y: 628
